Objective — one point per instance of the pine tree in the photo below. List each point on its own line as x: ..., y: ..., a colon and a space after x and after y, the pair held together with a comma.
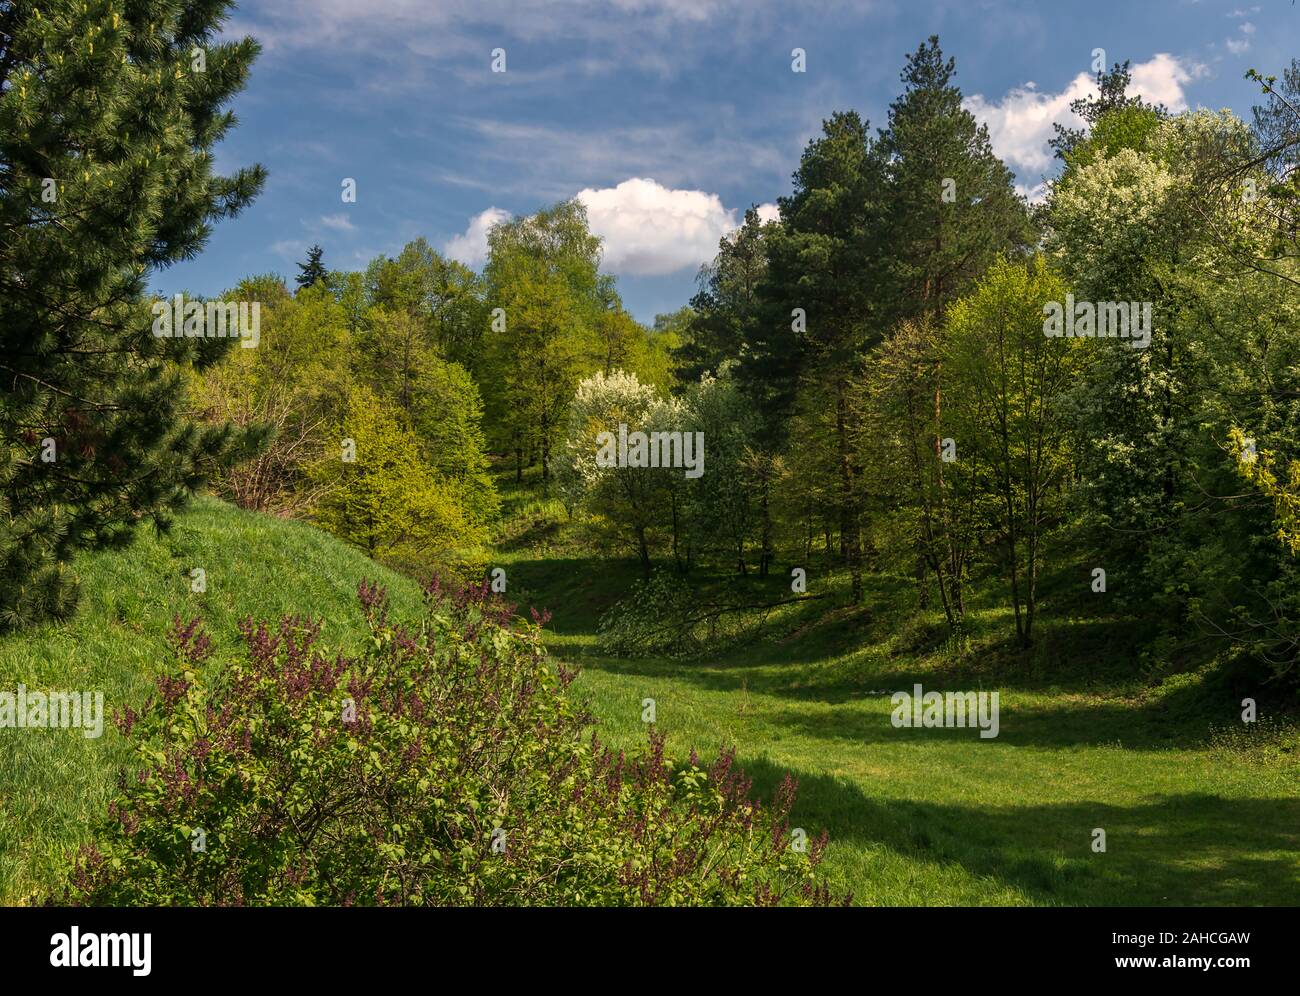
x: 952, y: 211
x: 953, y: 205
x: 109, y: 111
x: 822, y: 300
x: 312, y: 271
x: 728, y: 301
x: 1112, y: 95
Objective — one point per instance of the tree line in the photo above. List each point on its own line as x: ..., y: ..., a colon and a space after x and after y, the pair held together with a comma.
x: 872, y: 374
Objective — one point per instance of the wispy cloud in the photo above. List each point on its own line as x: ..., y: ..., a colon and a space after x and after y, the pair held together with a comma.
x: 550, y: 162
x: 338, y: 222
x: 1240, y: 46
x: 289, y: 249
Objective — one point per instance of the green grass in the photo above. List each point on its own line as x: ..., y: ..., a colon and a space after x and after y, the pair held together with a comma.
x: 940, y: 816
x: 54, y: 783
x: 915, y: 816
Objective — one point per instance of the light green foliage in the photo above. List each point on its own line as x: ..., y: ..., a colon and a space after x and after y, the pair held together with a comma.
x: 389, y: 501
x: 1258, y: 467
x: 545, y: 296
x: 630, y: 501
x: 296, y: 382
x: 1006, y: 381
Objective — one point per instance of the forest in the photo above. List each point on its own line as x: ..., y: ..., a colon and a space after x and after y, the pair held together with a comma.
x: 913, y: 431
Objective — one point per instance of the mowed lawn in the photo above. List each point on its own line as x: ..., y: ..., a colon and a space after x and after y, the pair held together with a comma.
x: 1197, y: 808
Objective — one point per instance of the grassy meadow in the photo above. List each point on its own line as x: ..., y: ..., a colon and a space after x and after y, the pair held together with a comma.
x: 1197, y: 811
x: 54, y: 783
x: 1197, y: 808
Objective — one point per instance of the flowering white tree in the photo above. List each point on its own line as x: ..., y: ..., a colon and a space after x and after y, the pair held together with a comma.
x: 630, y: 500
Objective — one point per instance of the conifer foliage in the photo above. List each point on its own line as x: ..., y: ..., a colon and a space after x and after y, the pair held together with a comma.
x: 109, y: 113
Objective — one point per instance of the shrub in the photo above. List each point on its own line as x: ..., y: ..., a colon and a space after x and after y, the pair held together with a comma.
x: 450, y: 764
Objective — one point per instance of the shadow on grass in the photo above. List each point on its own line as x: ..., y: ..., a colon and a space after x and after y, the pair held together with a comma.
x: 836, y: 655
x: 1189, y: 849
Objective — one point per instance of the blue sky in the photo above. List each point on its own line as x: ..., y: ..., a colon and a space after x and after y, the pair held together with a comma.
x: 668, y: 117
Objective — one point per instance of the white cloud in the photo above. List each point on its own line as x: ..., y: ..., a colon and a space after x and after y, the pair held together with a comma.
x: 1035, y: 194
x: 339, y: 222
x: 1161, y: 79
x: 469, y: 29
x: 1239, y: 46
x: 647, y: 229
x: 650, y: 230
x: 1020, y: 124
x: 471, y: 247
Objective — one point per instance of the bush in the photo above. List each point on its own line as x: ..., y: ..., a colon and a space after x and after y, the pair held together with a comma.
x: 448, y: 765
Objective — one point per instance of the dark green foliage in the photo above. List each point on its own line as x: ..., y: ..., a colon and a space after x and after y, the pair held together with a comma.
x: 952, y: 208
x: 1112, y: 95
x: 313, y: 271
x: 106, y: 139
x: 725, y: 309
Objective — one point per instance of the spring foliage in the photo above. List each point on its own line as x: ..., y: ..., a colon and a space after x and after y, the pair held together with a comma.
x: 450, y: 764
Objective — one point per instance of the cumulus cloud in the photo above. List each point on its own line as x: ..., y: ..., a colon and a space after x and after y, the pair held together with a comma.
x: 471, y: 246
x: 1020, y: 123
x: 647, y: 229
x: 650, y: 229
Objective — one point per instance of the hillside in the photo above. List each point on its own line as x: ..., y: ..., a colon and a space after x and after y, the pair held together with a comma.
x: 53, y: 782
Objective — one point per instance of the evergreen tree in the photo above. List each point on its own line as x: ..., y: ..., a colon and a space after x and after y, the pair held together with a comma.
x: 823, y: 303
x: 313, y: 271
x: 953, y: 208
x: 728, y: 301
x: 952, y: 211
x: 109, y: 113
x: 1112, y: 95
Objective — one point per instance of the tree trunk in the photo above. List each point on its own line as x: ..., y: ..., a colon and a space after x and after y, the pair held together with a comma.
x: 644, y: 550
x: 850, y: 536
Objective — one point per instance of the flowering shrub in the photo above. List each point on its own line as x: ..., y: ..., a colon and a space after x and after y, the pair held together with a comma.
x: 448, y: 765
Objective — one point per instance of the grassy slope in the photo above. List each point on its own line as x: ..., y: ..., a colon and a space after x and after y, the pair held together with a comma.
x: 54, y: 782
x: 927, y: 816
x: 940, y: 816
